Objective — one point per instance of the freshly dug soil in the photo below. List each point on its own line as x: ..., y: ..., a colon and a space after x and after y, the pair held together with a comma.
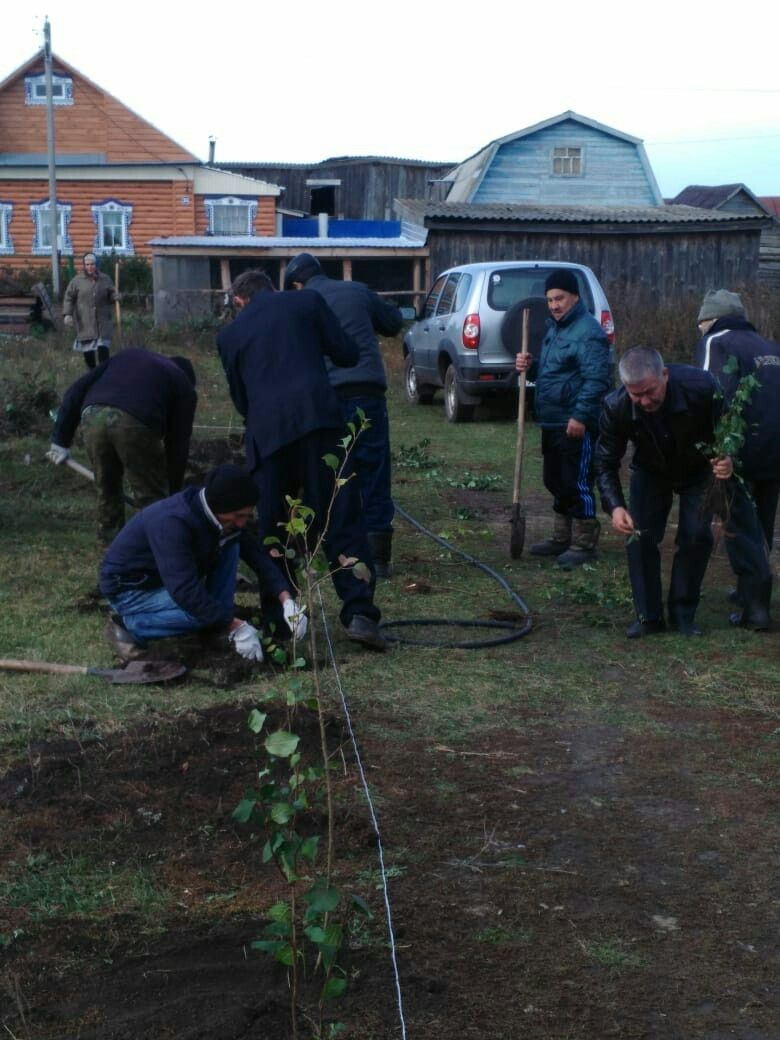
x: 557, y: 880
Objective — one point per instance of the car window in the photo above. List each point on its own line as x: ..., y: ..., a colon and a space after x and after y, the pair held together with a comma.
x: 507, y: 286
x: 448, y: 295
x: 433, y: 295
x: 464, y: 287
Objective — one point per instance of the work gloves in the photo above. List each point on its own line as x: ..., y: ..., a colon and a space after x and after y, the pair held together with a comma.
x: 68, y: 319
x: 246, y: 640
x: 57, y: 454
x: 296, y: 619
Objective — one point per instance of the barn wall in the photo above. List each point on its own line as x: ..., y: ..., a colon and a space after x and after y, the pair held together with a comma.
x: 653, y: 266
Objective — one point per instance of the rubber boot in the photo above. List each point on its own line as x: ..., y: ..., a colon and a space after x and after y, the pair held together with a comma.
x: 381, y: 546
x: 755, y: 597
x: 583, y: 544
x: 560, y: 541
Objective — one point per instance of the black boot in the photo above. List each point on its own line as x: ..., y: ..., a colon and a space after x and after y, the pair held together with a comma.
x: 381, y: 545
x: 755, y: 597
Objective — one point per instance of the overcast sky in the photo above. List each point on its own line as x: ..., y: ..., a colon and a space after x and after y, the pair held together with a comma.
x: 304, y: 81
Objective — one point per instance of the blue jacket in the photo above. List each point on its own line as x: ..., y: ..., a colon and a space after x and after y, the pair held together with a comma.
x: 174, y: 543
x: 734, y: 336
x: 274, y: 359
x: 573, y: 371
x: 362, y: 314
x: 148, y: 386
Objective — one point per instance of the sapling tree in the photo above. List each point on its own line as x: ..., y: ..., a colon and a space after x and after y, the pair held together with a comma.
x: 305, y: 931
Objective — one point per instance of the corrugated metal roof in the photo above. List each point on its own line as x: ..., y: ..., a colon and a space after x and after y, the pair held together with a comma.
x: 705, y: 196
x: 255, y: 242
x: 336, y: 159
x: 771, y: 203
x: 482, y: 211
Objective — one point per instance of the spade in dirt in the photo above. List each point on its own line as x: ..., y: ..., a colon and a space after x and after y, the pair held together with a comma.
x: 134, y: 672
x: 517, y: 534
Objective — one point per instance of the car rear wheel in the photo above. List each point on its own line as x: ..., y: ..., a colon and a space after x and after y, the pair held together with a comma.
x: 454, y: 408
x: 416, y: 393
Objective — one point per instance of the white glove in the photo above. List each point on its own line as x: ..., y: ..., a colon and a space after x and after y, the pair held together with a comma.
x: 68, y: 319
x: 247, y: 642
x: 57, y: 454
x: 295, y: 617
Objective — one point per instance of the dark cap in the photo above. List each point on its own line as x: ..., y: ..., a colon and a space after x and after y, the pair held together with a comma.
x: 564, y: 279
x: 230, y: 487
x: 300, y: 269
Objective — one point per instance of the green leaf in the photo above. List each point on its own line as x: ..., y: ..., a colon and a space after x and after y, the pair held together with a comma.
x: 282, y: 812
x: 331, y: 461
x: 361, y: 571
x: 243, y: 811
x: 316, y: 934
x: 334, y: 987
x: 322, y: 898
x: 309, y: 848
x: 256, y: 720
x: 281, y: 743
x: 361, y: 905
x: 280, y: 911
x: 281, y: 950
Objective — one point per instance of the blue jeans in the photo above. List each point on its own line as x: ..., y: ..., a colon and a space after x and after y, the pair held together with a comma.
x: 156, y: 615
x: 371, y: 459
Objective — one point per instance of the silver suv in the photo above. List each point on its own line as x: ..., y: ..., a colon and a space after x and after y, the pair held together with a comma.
x: 469, y: 330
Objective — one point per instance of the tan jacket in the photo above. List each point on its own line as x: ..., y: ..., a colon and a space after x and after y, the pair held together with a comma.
x: 90, y: 301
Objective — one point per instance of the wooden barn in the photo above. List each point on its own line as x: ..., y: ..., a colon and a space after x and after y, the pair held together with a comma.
x: 738, y: 198
x: 654, y: 253
x: 120, y: 181
x: 567, y: 160
x: 352, y: 188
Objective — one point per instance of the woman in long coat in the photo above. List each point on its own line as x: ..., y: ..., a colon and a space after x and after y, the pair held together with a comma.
x: 88, y: 305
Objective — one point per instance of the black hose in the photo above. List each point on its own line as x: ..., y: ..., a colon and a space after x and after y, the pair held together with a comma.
x: 515, y: 632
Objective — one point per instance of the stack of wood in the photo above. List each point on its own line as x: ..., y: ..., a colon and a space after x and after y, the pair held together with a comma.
x: 20, y: 308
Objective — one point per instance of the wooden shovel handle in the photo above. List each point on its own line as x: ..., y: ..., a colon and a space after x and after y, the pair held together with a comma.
x: 12, y: 665
x: 520, y: 415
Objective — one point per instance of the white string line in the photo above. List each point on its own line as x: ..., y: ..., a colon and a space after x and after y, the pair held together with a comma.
x: 374, y: 821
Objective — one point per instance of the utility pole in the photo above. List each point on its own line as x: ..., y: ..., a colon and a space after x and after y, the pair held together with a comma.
x: 53, y: 214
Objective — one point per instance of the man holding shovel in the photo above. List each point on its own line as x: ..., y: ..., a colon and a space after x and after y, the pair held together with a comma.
x: 572, y: 378
x: 136, y: 411
x: 172, y: 569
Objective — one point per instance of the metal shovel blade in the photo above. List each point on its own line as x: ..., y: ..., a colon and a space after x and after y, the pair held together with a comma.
x: 139, y: 672
x: 517, y: 534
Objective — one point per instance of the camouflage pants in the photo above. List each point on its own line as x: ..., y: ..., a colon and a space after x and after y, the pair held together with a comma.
x: 122, y: 449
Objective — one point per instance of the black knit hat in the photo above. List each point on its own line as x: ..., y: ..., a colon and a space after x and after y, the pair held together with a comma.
x: 564, y: 279
x: 301, y: 268
x: 229, y: 488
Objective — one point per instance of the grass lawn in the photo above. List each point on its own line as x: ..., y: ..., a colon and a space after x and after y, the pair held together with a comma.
x: 580, y: 832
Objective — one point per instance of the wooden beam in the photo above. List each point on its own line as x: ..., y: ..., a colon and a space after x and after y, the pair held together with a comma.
x: 224, y: 273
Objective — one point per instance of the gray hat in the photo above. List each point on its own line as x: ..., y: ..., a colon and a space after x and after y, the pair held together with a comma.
x: 720, y: 302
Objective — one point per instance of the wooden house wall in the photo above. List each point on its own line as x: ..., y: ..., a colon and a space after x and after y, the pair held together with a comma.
x: 613, y: 173
x: 366, y: 191
x: 744, y: 205
x: 95, y: 123
x: 158, y: 209
x: 651, y: 266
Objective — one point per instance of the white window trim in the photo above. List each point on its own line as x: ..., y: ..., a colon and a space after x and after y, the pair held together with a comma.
x: 39, y: 211
x: 32, y: 97
x: 231, y: 200
x: 6, y: 242
x: 113, y: 206
x: 568, y: 148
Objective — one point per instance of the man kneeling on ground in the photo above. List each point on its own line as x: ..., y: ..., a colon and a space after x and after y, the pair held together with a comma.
x: 172, y: 569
